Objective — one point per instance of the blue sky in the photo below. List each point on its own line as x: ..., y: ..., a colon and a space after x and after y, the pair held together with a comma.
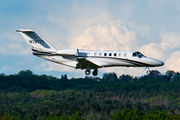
x: 152, y: 27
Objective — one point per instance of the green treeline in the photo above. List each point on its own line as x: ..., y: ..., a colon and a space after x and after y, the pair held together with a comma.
x: 125, y: 115
x: 27, y: 96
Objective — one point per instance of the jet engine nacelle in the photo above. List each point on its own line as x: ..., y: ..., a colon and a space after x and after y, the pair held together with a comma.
x: 68, y: 52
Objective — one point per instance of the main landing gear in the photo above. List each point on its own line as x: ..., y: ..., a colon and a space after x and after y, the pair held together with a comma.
x: 87, y: 72
x: 95, y: 72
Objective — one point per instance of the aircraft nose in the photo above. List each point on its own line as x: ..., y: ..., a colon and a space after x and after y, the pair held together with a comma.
x: 159, y: 63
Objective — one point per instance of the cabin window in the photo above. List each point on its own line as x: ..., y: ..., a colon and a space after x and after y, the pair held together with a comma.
x: 114, y: 54
x: 100, y: 54
x: 119, y: 54
x: 125, y: 54
x: 105, y: 54
x: 110, y: 54
x: 95, y: 54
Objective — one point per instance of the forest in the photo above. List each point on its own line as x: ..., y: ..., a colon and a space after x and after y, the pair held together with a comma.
x: 28, y: 96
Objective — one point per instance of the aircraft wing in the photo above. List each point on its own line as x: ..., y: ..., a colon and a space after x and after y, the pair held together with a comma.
x: 83, y: 63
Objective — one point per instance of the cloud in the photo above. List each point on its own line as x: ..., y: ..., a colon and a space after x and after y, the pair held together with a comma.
x: 143, y: 33
x: 173, y: 63
x: 152, y: 50
x: 114, y: 35
x: 79, y: 18
x: 14, y: 45
x: 170, y: 40
x: 5, y: 68
x: 167, y: 50
x: 14, y: 48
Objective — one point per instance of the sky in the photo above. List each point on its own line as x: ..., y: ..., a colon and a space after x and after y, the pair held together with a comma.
x: 151, y: 27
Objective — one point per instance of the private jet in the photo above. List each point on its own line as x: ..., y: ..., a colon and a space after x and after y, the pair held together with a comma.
x: 86, y: 59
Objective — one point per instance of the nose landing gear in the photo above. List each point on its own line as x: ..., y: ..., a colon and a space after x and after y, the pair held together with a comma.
x: 148, y: 71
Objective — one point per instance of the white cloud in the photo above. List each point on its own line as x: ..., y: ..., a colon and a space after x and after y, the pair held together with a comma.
x: 6, y: 68
x: 173, y: 63
x: 170, y: 39
x: 114, y: 35
x: 167, y: 50
x: 14, y: 45
x: 152, y: 50
x: 14, y: 49
x: 143, y: 31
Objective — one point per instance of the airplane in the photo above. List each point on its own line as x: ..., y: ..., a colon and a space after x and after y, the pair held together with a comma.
x: 86, y: 59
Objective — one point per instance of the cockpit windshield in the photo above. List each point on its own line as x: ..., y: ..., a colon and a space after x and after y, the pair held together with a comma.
x: 138, y: 54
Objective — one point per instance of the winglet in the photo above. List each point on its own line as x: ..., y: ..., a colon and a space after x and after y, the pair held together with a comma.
x: 24, y: 30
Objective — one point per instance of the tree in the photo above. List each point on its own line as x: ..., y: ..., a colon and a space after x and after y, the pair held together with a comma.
x: 62, y: 117
x: 94, y: 117
x: 65, y: 77
x: 24, y: 73
x: 155, y: 73
x: 125, y: 77
x: 77, y: 116
x: 2, y: 74
x: 62, y: 77
x: 6, y: 117
x: 170, y: 73
x: 128, y: 105
x: 111, y: 77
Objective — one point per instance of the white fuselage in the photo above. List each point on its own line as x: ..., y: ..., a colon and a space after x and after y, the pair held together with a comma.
x: 104, y: 59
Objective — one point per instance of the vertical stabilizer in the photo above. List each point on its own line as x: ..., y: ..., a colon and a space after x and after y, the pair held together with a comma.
x: 36, y: 42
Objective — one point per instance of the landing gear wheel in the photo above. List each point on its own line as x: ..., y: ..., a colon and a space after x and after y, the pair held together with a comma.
x: 87, y: 72
x: 148, y: 72
x: 95, y: 72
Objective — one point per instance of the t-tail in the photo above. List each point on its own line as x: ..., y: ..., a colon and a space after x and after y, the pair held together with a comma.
x: 36, y: 42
